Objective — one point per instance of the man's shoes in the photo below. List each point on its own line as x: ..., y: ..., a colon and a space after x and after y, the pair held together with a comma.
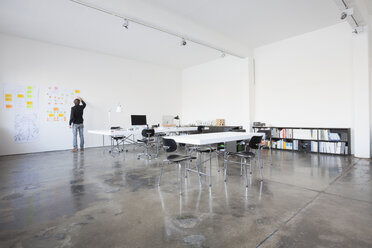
x: 74, y: 150
x: 81, y: 149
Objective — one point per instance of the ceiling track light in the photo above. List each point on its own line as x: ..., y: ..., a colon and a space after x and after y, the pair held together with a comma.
x: 183, y: 42
x: 346, y: 13
x: 358, y: 30
x: 349, y: 12
x: 152, y: 26
x: 126, y: 23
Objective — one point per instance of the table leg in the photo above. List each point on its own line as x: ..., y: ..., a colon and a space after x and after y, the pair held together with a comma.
x: 210, y: 168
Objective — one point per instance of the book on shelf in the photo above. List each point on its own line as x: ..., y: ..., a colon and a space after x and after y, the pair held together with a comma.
x: 286, y: 133
x: 282, y: 144
x: 314, y: 146
x: 326, y: 134
x: 305, y: 134
x: 333, y: 147
x: 295, y: 145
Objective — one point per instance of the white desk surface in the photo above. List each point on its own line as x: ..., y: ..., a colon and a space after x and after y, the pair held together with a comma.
x: 175, y: 129
x: 117, y: 132
x: 108, y: 132
x: 212, y: 138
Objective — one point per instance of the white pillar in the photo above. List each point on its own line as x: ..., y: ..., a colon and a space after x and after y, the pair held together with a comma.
x: 361, y: 95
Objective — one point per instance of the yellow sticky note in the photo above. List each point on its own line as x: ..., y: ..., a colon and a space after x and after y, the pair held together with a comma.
x: 29, y: 87
x: 8, y: 99
x: 51, y: 115
x: 77, y: 91
x: 60, y: 115
x: 8, y: 95
x: 20, y: 96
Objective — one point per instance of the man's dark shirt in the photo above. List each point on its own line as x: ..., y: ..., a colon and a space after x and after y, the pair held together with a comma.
x: 76, y: 115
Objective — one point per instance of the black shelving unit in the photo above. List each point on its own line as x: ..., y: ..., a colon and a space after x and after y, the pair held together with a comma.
x: 309, y: 139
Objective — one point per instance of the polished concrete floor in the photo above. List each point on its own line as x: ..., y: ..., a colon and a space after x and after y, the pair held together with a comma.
x: 92, y: 199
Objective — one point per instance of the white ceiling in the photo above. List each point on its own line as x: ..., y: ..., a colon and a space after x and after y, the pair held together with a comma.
x: 369, y: 6
x: 236, y: 25
x: 256, y: 22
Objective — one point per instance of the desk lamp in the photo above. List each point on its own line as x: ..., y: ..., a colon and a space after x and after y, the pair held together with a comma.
x: 118, y: 109
x: 178, y: 120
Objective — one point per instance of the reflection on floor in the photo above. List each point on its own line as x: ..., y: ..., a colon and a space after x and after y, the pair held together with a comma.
x: 91, y: 199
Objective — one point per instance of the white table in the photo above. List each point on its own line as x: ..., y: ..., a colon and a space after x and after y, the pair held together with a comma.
x: 210, y: 139
x: 128, y: 133
x: 213, y: 138
x: 175, y: 129
x: 114, y: 132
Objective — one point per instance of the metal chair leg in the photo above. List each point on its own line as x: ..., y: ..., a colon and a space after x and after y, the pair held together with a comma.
x: 225, y: 170
x: 198, y: 168
x: 250, y: 171
x: 246, y: 175
x: 161, y: 173
x: 180, y: 176
x: 186, y: 167
x: 241, y: 166
x: 261, y: 166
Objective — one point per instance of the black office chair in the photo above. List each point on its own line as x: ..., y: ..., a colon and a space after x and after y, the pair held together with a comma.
x: 117, y: 142
x: 171, y: 146
x: 201, y: 129
x: 252, y: 149
x: 148, y: 140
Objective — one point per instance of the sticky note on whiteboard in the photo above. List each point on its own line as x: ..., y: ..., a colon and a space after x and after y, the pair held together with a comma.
x: 51, y: 115
x: 77, y: 91
x: 21, y: 96
x: 8, y: 106
x: 60, y: 115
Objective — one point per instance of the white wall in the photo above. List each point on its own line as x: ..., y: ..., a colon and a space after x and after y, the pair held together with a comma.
x: 370, y: 81
x: 361, y: 91
x: 104, y: 81
x: 216, y: 90
x: 306, y: 80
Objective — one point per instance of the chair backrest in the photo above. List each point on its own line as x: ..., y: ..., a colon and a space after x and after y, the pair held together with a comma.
x: 200, y: 129
x: 148, y: 132
x: 169, y: 145
x: 266, y: 132
x: 254, y: 142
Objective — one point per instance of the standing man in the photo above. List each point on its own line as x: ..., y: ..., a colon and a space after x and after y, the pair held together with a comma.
x: 76, y: 118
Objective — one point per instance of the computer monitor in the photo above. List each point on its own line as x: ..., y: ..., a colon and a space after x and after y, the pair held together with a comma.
x: 138, y: 120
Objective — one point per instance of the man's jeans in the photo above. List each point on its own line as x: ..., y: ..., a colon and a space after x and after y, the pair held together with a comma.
x: 75, y: 129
